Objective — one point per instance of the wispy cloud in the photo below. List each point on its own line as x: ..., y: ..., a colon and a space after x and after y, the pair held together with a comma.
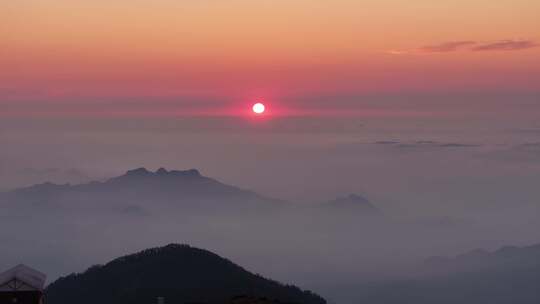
x: 425, y: 144
x: 445, y: 47
x: 428, y: 144
x: 506, y: 45
x: 470, y: 46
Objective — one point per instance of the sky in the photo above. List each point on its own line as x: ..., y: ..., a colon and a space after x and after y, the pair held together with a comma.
x: 429, y: 109
x: 89, y: 89
x: 190, y: 58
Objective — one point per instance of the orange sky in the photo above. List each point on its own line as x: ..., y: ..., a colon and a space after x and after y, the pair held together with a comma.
x: 244, y: 49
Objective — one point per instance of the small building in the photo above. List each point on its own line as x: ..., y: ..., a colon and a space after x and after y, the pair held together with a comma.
x: 22, y: 285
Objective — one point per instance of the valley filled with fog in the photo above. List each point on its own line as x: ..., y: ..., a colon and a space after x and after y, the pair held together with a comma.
x: 284, y: 211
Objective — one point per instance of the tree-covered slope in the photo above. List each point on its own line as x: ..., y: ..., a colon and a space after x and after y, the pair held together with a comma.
x: 179, y: 273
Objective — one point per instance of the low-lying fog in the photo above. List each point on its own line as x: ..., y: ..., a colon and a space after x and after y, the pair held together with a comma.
x: 441, y: 192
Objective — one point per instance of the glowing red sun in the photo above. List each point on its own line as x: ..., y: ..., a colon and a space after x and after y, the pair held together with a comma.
x: 258, y: 108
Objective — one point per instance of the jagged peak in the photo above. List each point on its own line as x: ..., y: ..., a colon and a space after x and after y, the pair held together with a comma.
x: 143, y: 172
x: 138, y: 172
x: 354, y: 201
x: 162, y: 171
x: 354, y: 198
x: 190, y: 172
x: 46, y: 186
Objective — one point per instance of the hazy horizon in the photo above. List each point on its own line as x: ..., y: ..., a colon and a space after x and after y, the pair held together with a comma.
x: 428, y: 110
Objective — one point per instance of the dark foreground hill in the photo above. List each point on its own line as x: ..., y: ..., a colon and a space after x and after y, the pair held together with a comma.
x: 179, y: 273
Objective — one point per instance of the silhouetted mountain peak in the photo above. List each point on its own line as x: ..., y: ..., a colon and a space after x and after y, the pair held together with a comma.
x: 508, y: 275
x: 162, y: 171
x: 353, y: 202
x: 143, y: 173
x: 508, y: 257
x: 190, y: 172
x: 138, y: 172
x: 180, y: 273
x: 139, y: 190
x: 357, y: 198
x: 167, y: 249
x: 43, y: 188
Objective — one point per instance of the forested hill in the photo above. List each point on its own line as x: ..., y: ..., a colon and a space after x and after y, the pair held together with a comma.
x: 179, y: 273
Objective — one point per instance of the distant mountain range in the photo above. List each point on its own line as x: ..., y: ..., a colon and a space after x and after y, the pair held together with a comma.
x: 179, y: 274
x: 507, y: 276
x: 142, y: 192
x: 508, y: 258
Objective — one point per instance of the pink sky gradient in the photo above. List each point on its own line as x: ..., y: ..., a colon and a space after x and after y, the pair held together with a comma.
x: 142, y: 58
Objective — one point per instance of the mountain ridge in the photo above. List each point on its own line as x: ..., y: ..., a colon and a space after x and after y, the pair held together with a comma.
x: 141, y: 192
x: 507, y: 275
x: 141, y: 188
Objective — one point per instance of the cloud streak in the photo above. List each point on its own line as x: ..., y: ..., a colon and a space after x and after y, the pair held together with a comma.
x: 506, y: 45
x: 446, y: 47
x: 471, y: 46
x: 425, y: 144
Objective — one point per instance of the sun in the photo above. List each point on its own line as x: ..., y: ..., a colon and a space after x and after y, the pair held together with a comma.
x: 258, y: 108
